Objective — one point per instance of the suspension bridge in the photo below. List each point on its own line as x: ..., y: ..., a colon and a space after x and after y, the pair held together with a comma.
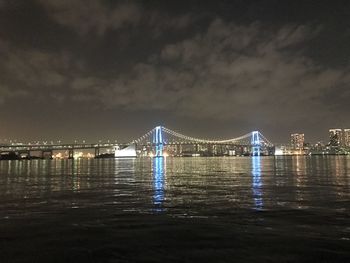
x: 161, y: 141
x: 158, y: 142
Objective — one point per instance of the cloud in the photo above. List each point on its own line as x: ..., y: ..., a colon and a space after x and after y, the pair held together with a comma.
x: 96, y: 17
x: 91, y: 16
x: 159, y: 23
x: 36, y: 74
x: 6, y: 93
x: 230, y: 72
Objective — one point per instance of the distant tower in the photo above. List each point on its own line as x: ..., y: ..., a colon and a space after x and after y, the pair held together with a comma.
x: 297, y: 140
x: 347, y: 137
x: 335, y: 137
x: 255, y: 142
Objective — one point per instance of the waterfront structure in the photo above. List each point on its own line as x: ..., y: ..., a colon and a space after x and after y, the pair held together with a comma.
x: 158, y: 142
x: 297, y: 141
x: 283, y: 150
x: 335, y: 137
x: 46, y: 151
x: 127, y: 152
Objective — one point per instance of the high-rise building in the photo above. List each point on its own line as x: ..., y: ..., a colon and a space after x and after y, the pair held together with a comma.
x: 335, y: 137
x: 297, y: 140
x: 347, y: 137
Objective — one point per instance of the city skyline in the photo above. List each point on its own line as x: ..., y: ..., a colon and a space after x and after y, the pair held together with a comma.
x: 98, y: 70
x: 336, y: 137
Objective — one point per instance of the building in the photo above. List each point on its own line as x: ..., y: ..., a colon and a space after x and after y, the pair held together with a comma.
x: 127, y: 152
x: 335, y: 137
x: 347, y: 137
x: 297, y: 140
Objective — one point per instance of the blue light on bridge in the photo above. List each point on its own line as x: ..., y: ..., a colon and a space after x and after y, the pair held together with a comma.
x: 255, y: 142
x: 257, y: 183
x: 158, y: 183
x: 158, y: 141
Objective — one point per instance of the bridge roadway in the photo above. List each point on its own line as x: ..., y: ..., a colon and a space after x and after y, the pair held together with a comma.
x: 87, y: 146
x: 196, y: 143
x: 49, y: 148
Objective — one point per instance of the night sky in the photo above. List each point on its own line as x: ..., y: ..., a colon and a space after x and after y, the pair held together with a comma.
x: 97, y: 70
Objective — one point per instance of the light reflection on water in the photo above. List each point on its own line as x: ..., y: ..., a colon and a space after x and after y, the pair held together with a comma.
x: 192, y: 185
x: 158, y: 182
x: 250, y: 209
x: 257, y: 184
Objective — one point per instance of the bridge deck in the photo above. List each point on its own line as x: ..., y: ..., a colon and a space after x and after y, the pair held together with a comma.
x: 53, y: 147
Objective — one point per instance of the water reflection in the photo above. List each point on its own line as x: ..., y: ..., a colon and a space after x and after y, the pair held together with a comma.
x: 256, y: 182
x: 158, y: 182
x: 299, y: 166
x: 180, y: 185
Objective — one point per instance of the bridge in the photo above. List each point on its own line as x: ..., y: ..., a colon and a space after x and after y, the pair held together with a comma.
x: 160, y: 141
x: 46, y: 150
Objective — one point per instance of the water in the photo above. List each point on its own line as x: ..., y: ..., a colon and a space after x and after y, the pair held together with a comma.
x: 259, y: 209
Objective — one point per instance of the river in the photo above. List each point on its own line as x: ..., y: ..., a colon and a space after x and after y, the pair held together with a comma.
x: 230, y: 209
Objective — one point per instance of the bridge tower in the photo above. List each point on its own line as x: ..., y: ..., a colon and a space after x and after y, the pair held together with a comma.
x: 255, y: 142
x: 158, y: 141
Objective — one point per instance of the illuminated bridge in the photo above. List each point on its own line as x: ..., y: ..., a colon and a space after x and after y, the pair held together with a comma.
x: 46, y: 150
x: 160, y: 141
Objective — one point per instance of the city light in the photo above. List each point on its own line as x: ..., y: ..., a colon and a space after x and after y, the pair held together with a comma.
x: 161, y: 141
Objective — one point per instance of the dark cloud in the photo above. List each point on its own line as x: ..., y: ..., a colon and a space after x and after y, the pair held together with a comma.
x: 179, y: 64
x: 97, y: 17
x: 91, y: 16
x: 38, y: 74
x: 230, y: 71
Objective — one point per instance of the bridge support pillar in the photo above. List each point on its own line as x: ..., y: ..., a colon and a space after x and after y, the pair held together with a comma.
x: 196, y: 148
x: 70, y: 154
x: 97, y: 152
x: 210, y: 150
x: 255, y: 142
x: 158, y: 141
